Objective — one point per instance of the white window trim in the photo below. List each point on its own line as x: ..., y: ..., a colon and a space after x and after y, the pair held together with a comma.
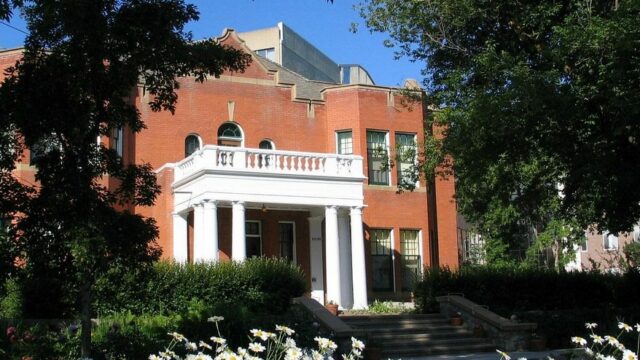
x: 230, y: 138
x: 338, y: 140
x: 273, y: 145
x: 387, y: 149
x: 415, y: 158
x: 259, y: 234
x: 295, y: 257
x: 605, y: 235
x: 393, y: 251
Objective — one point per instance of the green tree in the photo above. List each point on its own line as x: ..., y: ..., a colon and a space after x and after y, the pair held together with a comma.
x: 76, y: 82
x: 539, y: 105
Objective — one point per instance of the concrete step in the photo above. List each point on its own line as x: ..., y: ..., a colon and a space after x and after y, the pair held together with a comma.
x: 392, y: 317
x: 400, y: 352
x: 411, y: 328
x: 418, y: 336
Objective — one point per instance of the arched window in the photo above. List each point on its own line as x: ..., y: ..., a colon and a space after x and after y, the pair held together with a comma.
x: 229, y: 134
x: 267, y: 145
x: 191, y: 144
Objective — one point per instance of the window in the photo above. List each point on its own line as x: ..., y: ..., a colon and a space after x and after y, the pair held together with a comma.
x: 253, y: 235
x: 191, y: 144
x: 287, y: 240
x: 345, y: 143
x: 610, y: 241
x: 266, y: 144
x: 410, y: 255
x: 406, y: 159
x: 229, y: 134
x: 268, y: 53
x: 377, y: 158
x: 381, y: 259
x: 118, y: 140
x: 584, y: 245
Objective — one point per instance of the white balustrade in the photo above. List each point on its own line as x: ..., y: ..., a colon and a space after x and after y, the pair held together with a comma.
x: 261, y: 161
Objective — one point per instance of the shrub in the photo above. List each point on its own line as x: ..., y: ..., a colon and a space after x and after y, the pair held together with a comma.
x: 259, y: 285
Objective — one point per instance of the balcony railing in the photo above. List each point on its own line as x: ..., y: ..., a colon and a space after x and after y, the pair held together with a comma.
x: 260, y: 161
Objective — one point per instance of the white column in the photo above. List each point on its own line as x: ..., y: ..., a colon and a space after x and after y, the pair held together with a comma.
x: 210, y: 236
x: 315, y: 257
x: 198, y: 233
x: 344, y: 236
x: 358, y: 260
x: 238, y: 240
x: 180, y: 240
x: 332, y: 261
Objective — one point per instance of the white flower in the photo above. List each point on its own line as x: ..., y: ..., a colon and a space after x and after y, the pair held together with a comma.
x: 325, y: 344
x: 357, y: 344
x: 242, y: 351
x: 285, y: 330
x: 256, y: 347
x: 293, y: 354
x: 624, y: 327
x: 203, y: 344
x: 637, y: 326
x: 503, y: 355
x: 578, y: 340
x: 629, y: 355
x: 177, y: 336
x: 290, y: 343
x: 590, y: 325
x: 215, y: 319
x: 154, y: 357
x: 263, y: 335
x: 597, y: 339
x: 522, y: 358
x: 199, y: 356
x: 168, y: 354
x: 315, y: 355
x: 191, y: 346
x: 218, y: 340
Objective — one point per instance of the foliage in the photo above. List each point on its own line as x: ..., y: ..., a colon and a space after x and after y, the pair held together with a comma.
x: 510, y: 289
x: 259, y: 284
x: 538, y: 107
x: 77, y: 81
x: 632, y: 255
x: 386, y: 307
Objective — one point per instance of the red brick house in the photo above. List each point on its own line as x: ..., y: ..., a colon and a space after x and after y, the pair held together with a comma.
x: 270, y: 163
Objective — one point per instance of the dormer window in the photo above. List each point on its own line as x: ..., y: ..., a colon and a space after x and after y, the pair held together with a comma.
x: 229, y: 134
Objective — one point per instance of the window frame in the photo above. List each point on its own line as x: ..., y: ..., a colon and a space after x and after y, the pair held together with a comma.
x: 191, y: 135
x: 338, y: 143
x: 605, y: 237
x: 222, y: 138
x: 397, y: 157
x: 370, y: 160
x: 418, y: 240
x: 258, y: 236
x: 294, y: 257
x: 391, y: 256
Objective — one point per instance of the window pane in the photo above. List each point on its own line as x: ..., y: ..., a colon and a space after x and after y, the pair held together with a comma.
x: 266, y: 144
x: 410, y: 253
x: 230, y: 130
x: 286, y: 241
x: 345, y: 143
x: 381, y: 260
x: 191, y: 145
x: 405, y: 158
x: 269, y: 53
x: 253, y: 238
x: 377, y: 158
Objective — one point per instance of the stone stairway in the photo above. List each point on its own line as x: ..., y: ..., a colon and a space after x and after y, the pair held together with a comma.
x: 413, y: 335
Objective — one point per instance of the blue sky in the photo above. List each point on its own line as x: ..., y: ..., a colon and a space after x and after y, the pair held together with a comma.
x: 324, y: 24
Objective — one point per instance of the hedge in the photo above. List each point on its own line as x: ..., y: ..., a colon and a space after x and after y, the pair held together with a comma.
x: 260, y: 285
x: 508, y: 290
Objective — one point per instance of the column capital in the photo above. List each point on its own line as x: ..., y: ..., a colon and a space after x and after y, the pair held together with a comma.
x: 357, y: 209
x: 198, y: 204
x: 209, y: 204
x: 331, y: 208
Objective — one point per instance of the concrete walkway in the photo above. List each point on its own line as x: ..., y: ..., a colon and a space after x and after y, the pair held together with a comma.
x: 529, y: 355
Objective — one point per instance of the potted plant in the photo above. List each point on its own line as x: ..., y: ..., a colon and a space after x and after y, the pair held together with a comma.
x: 332, y: 307
x: 456, y: 319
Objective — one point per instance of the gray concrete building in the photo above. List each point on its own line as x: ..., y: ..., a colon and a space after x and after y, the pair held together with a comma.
x: 285, y: 47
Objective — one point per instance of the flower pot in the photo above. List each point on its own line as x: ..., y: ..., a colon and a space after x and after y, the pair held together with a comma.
x: 456, y: 321
x: 333, y: 308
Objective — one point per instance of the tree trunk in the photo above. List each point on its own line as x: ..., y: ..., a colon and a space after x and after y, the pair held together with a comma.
x: 85, y: 318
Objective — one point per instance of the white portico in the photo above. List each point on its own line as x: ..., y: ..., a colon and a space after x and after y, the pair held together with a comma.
x: 328, y: 186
